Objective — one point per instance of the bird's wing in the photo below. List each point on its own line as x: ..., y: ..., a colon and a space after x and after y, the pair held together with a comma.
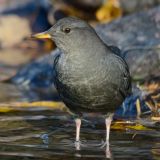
x: 115, y: 50
x: 125, y: 85
x: 122, y: 75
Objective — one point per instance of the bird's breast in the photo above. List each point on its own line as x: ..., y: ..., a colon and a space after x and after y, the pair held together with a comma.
x: 86, y: 86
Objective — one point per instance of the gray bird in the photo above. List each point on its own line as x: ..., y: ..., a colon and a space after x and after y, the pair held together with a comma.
x: 90, y: 75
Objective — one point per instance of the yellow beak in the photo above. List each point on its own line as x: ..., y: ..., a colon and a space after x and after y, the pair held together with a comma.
x: 42, y: 35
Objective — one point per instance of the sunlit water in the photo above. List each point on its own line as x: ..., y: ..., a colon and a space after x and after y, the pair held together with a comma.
x: 38, y: 133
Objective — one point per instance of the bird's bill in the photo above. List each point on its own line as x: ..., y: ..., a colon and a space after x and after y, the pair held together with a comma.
x: 42, y: 35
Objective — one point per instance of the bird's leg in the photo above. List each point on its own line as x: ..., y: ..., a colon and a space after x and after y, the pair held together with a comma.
x: 108, y: 121
x: 78, y: 127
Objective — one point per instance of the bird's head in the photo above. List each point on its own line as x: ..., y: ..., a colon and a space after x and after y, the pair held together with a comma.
x: 69, y: 33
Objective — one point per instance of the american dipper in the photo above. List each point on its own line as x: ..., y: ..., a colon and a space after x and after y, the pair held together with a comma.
x: 90, y: 75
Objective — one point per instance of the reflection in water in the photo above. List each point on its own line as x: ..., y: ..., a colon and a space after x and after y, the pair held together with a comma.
x: 50, y: 136
x: 77, y: 145
x: 108, y: 152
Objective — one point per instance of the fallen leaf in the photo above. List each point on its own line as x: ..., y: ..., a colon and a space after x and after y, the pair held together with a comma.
x: 109, y: 11
x: 123, y: 125
x: 4, y: 107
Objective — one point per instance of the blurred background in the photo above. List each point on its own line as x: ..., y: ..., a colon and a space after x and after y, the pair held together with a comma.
x: 27, y: 72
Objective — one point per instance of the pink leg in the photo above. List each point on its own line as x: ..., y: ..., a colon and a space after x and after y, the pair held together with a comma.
x: 108, y: 121
x: 78, y: 127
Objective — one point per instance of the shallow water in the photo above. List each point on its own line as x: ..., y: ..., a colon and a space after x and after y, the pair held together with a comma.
x: 40, y: 133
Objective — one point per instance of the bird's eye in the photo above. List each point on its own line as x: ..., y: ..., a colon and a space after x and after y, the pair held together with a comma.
x: 67, y: 30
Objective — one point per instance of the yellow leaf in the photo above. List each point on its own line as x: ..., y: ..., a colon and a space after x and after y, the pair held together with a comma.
x: 109, y: 11
x: 7, y: 107
x: 138, y: 127
x: 122, y: 125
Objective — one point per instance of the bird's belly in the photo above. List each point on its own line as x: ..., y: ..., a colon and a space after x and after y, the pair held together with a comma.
x: 81, y: 95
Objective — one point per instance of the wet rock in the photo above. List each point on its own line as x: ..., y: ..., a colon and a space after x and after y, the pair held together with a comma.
x: 138, y: 37
x: 137, y: 30
x: 144, y: 63
x: 129, y: 6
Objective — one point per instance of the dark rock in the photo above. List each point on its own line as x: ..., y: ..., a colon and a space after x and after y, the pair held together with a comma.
x: 129, y: 6
x: 143, y: 63
x: 138, y: 38
x: 137, y: 30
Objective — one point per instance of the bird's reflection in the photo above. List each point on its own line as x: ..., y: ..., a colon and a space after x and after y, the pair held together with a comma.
x: 77, y: 145
x: 108, y: 153
x: 104, y: 145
